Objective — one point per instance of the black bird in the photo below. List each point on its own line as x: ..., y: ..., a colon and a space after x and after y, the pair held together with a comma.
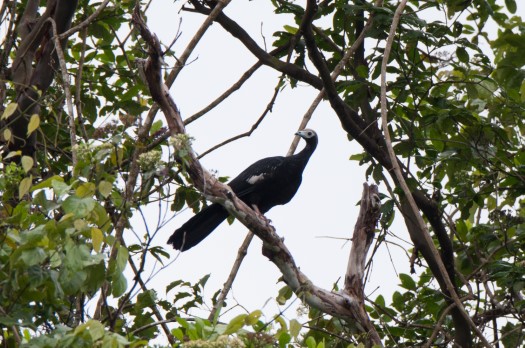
x: 268, y: 182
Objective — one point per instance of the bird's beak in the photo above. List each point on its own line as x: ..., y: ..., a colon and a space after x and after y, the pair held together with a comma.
x: 300, y: 133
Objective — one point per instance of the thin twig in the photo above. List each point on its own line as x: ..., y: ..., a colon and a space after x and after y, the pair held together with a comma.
x: 67, y: 91
x: 181, y: 61
x: 224, y: 95
x: 268, y: 108
x: 335, y: 73
x: 78, y: 84
x: 438, y: 326
x: 150, y: 325
x: 84, y: 23
x: 241, y: 254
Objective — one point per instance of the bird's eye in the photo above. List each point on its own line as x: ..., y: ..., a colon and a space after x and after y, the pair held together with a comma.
x: 309, y: 134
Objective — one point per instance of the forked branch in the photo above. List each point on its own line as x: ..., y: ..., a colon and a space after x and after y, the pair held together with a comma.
x: 342, y: 305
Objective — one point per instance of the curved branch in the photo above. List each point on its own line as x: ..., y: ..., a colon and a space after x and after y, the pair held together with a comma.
x: 267, y: 59
x: 337, y: 71
x: 341, y: 305
x: 247, y: 74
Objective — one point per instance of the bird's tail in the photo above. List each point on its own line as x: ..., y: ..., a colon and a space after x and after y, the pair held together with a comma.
x: 198, y: 227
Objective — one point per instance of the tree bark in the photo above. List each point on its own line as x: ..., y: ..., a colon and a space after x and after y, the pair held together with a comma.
x: 33, y: 81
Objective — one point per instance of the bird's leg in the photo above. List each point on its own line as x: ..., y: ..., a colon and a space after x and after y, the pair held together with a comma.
x: 261, y: 215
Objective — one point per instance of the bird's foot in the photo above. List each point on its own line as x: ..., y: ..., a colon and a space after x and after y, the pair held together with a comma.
x: 261, y: 216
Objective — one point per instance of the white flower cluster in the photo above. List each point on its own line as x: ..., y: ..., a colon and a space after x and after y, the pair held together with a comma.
x: 181, y: 141
x: 221, y: 342
x: 149, y: 160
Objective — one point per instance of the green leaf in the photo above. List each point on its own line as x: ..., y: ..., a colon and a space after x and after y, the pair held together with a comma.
x: 27, y: 163
x: 47, y: 183
x: 295, y: 328
x: 407, y: 282
x: 97, y: 237
x: 357, y: 157
x: 24, y: 186
x: 511, y: 6
x: 79, y: 207
x: 253, y: 317
x: 105, y: 187
x: 119, y: 285
x: 86, y: 189
x: 122, y: 259
x: 9, y: 110
x: 284, y: 339
x: 96, y: 329
x: 235, y: 324
x: 380, y: 301
x: 285, y: 293
x: 290, y: 29
x: 155, y: 127
x: 7, y: 134
x: 33, y: 256
x: 13, y: 154
x: 310, y: 342
x: 34, y: 123
x: 59, y: 186
x: 462, y: 54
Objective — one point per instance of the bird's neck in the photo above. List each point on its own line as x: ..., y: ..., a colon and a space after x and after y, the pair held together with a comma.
x: 304, y: 154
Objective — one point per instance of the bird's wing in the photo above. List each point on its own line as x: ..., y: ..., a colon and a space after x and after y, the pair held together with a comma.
x: 255, y: 175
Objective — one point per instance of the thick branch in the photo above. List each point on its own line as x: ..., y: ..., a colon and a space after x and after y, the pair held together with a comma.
x: 361, y: 240
x: 336, y: 304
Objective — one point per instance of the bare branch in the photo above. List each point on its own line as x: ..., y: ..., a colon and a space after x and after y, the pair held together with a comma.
x: 337, y: 71
x: 241, y: 254
x: 268, y: 108
x: 238, y: 32
x: 67, y: 91
x: 181, y: 61
x: 361, y: 240
x: 224, y: 95
x: 86, y: 22
x: 337, y: 304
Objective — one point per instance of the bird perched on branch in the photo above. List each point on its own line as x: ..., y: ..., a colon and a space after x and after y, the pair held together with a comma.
x: 268, y: 182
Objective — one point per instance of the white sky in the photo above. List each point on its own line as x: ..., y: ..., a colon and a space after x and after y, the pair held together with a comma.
x: 326, y: 202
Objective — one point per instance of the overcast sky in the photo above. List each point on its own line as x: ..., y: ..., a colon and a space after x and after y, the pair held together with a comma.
x: 322, y: 214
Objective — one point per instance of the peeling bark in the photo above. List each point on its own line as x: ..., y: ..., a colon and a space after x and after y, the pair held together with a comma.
x: 347, y: 305
x: 362, y: 238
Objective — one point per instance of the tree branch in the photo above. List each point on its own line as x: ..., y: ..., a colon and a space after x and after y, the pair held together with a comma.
x: 67, y: 92
x: 336, y: 304
x: 362, y: 238
x: 465, y: 341
x: 337, y: 71
x: 267, y: 59
x: 241, y: 254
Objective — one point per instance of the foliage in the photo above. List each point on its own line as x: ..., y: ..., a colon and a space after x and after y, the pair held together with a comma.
x: 456, y: 96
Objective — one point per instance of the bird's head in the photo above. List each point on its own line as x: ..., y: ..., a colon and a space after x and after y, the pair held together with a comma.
x: 306, y: 134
